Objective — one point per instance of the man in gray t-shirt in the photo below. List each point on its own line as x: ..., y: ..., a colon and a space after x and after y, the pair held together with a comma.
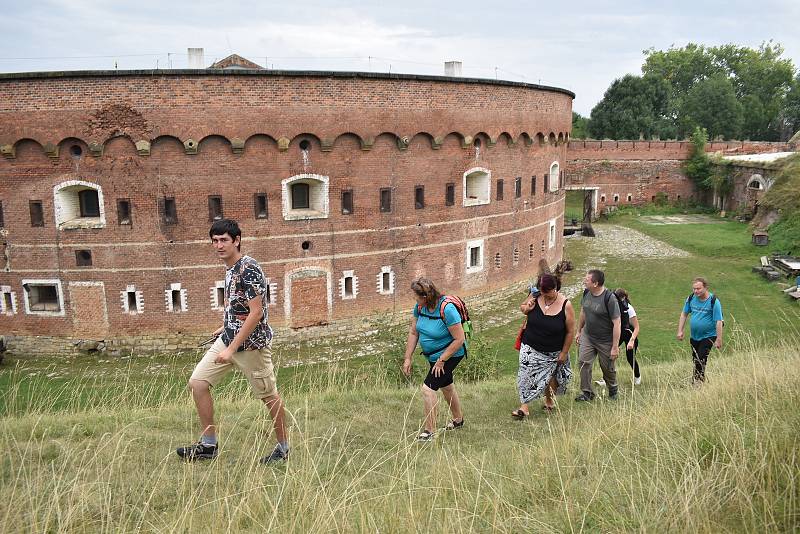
x: 598, y: 334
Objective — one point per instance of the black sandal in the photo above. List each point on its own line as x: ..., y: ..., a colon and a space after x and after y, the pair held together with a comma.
x: 518, y: 414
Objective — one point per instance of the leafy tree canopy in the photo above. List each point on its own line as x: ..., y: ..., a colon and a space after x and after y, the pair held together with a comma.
x: 763, y: 84
x: 631, y: 108
x: 711, y: 104
x: 580, y: 126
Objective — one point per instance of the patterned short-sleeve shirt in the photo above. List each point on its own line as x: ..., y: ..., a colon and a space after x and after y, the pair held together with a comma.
x: 243, y: 282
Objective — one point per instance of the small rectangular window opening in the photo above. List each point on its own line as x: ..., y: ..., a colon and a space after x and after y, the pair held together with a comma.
x: 2, y: 217
x: 546, y: 182
x: 8, y: 302
x: 133, y: 302
x: 533, y: 186
x: 37, y: 213
x: 124, y: 211
x: 43, y: 298
x: 221, y: 296
x: 450, y: 194
x: 386, y: 200
x: 474, y: 256
x: 348, y: 286
x: 89, y: 203
x: 419, y: 197
x: 170, y: 213
x: 301, y: 194
x: 347, y: 202
x: 83, y: 258
x: 260, y: 205
x: 385, y: 279
x: 214, y: 208
x: 175, y: 297
x: 500, y: 184
x: 517, y: 187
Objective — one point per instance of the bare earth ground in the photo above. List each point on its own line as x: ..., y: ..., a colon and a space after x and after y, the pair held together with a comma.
x: 680, y: 219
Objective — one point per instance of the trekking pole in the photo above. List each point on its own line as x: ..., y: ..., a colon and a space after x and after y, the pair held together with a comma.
x: 207, y: 341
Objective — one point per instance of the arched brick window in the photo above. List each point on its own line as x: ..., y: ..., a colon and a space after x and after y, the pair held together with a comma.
x: 554, y: 175
x: 305, y: 196
x: 79, y: 204
x: 477, y: 186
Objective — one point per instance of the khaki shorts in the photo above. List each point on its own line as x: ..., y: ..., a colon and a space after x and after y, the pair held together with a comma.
x: 256, y: 365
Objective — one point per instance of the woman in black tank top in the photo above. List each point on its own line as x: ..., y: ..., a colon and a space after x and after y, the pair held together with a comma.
x: 544, y: 368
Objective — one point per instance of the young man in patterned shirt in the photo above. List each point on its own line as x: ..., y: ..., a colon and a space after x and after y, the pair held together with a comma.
x: 244, y: 341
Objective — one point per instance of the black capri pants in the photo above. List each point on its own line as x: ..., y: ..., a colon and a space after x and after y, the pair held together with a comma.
x: 446, y: 378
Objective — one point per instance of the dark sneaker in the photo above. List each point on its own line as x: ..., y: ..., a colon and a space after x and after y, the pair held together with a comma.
x: 197, y: 451
x: 613, y: 392
x: 277, y: 455
x: 585, y: 396
x: 453, y: 424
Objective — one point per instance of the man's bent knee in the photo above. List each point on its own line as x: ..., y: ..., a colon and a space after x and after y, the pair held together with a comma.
x: 199, y: 385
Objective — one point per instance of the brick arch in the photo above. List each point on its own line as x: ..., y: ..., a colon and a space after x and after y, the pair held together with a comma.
x: 10, y: 151
x: 540, y: 139
x: 432, y: 140
x: 208, y: 137
x: 164, y: 143
x: 507, y: 137
x: 120, y: 139
x: 348, y: 135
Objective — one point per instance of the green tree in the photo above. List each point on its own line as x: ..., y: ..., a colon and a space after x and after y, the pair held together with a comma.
x: 791, y: 110
x: 760, y: 79
x: 681, y: 69
x: 580, y: 126
x: 711, y: 104
x: 698, y: 166
x: 632, y: 107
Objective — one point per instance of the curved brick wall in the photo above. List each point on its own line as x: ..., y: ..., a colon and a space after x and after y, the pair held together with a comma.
x: 189, y: 135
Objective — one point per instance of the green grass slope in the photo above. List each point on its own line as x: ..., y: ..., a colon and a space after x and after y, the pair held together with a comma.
x: 665, y: 457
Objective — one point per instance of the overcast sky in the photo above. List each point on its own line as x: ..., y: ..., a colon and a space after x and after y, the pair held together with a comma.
x: 579, y: 45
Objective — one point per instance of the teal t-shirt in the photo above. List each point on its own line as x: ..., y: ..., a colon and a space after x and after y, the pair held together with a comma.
x: 703, y: 322
x: 434, y: 336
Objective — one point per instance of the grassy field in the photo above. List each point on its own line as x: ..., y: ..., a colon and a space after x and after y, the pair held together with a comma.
x: 666, y: 456
x: 89, y: 443
x: 754, y: 310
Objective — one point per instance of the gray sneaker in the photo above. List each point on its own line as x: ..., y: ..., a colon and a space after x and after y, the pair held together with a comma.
x: 277, y: 455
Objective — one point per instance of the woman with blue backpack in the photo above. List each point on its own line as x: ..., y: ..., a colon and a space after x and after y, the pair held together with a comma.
x: 436, y: 324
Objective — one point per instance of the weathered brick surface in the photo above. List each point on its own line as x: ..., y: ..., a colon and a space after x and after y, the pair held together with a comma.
x: 643, y: 169
x: 356, y: 128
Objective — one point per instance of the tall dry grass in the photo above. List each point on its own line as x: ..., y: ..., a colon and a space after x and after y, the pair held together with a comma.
x: 667, y: 456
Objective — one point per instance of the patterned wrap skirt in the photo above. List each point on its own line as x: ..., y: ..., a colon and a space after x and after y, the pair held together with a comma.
x: 535, y: 371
